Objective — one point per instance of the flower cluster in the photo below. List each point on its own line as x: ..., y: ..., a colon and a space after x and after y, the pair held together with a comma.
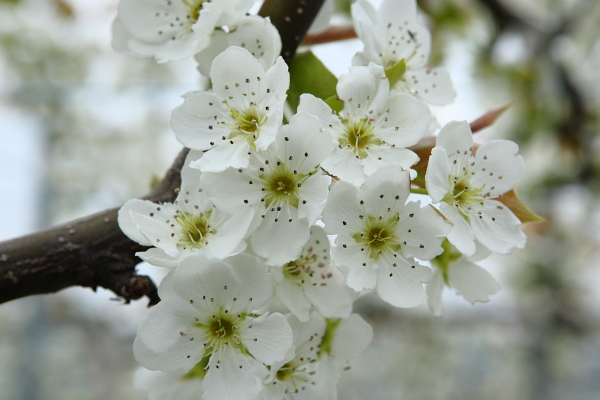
x: 259, y: 198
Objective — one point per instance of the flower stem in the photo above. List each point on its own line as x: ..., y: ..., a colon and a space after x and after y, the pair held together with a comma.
x: 418, y: 191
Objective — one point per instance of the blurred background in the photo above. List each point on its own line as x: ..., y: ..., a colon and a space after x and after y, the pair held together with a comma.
x: 83, y: 128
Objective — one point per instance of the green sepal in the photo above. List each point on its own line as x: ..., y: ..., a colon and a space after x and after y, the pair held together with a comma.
x: 395, y: 73
x: 448, y: 256
x: 309, y: 75
x: 330, y: 326
x: 199, y: 370
x: 516, y: 205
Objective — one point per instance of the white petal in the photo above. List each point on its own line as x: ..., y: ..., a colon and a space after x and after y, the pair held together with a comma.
x: 387, y: 188
x: 326, y: 379
x: 408, y: 120
x: 303, y: 144
x: 269, y: 339
x: 127, y: 223
x: 423, y: 233
x: 497, y: 228
x: 201, y: 282
x: 382, y: 156
x: 317, y: 107
x: 402, y: 286
x: 256, y: 284
x: 227, y: 154
x: 314, y: 191
x: 437, y: 177
x: 159, y: 233
x: 281, y: 236
x: 232, y: 378
x: 457, y: 139
x: 120, y: 36
x: 294, y: 299
x: 332, y: 301
x: 434, y: 293
x: 352, y: 336
x: 471, y: 281
x: 196, y: 121
x: 360, y: 89
x: 278, y: 81
x: 232, y: 66
x: 461, y: 234
x: 158, y: 258
x: 361, y: 270
x: 344, y: 164
x: 159, y: 330
x: 342, y: 206
x: 433, y: 85
x: 231, y: 190
x: 497, y: 166
x: 168, y: 361
x: 219, y: 42
x: 229, y: 234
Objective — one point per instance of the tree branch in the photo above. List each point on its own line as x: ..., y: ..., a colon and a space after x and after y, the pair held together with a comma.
x: 292, y: 19
x: 92, y: 251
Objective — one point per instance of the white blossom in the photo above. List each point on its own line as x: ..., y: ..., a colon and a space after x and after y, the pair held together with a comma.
x: 207, y: 316
x: 192, y: 224
x: 311, y: 279
x: 345, y: 340
x: 172, y: 29
x: 378, y: 236
x: 373, y: 129
x: 392, y: 34
x: 164, y: 386
x: 468, y: 185
x: 460, y: 273
x: 284, y: 187
x: 253, y: 33
x: 294, y: 377
x: 243, y: 112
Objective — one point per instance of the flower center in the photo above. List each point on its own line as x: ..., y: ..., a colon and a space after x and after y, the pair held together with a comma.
x: 195, y: 228
x: 358, y: 137
x: 221, y: 328
x: 298, y: 270
x: 378, y: 236
x: 247, y: 124
x: 281, y: 186
x: 464, y: 197
x: 195, y: 8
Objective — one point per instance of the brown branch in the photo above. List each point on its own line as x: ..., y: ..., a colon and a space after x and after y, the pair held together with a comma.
x: 292, y: 18
x: 331, y: 34
x: 91, y: 252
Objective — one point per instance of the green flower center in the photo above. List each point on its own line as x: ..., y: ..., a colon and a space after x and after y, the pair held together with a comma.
x: 247, y: 124
x: 378, y: 236
x: 463, y: 196
x: 358, y: 137
x: 195, y: 228
x: 281, y: 186
x: 222, y: 328
x: 296, y: 271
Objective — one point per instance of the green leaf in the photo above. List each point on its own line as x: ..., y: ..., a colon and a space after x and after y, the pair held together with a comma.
x: 335, y: 103
x: 395, y: 73
x: 516, y: 205
x: 309, y: 75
